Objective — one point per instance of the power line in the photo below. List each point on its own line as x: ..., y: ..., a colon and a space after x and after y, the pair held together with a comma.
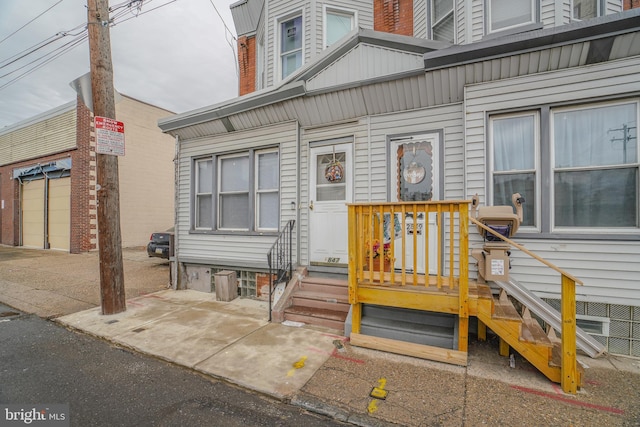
x: 59, y: 1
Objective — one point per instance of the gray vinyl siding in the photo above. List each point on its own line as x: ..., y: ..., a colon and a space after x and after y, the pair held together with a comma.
x: 235, y: 248
x: 477, y: 21
x: 49, y: 135
x: 461, y: 22
x: 548, y: 10
x: 420, y: 18
x: 609, y: 269
x: 612, y: 6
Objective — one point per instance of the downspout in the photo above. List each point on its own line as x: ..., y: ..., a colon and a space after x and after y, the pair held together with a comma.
x: 298, y: 142
x: 46, y: 211
x: 368, y: 157
x: 21, y: 192
x: 174, y: 271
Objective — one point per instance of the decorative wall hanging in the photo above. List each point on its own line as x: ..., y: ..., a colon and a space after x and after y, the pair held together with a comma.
x: 334, y: 172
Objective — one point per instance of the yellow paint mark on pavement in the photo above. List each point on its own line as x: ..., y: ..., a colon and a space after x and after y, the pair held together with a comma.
x: 297, y: 365
x: 377, y: 393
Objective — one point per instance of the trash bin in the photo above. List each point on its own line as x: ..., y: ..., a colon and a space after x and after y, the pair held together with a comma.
x: 226, y: 285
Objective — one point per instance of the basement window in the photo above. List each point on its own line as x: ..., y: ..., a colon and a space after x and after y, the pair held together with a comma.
x: 593, y: 325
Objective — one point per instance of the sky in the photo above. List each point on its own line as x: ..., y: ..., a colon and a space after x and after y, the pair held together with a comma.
x: 177, y: 57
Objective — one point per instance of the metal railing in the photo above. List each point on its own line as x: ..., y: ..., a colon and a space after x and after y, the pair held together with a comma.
x: 280, y: 259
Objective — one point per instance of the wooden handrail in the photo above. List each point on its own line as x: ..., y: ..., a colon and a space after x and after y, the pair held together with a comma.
x: 527, y: 251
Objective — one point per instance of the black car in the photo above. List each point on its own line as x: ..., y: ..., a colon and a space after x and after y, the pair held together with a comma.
x: 161, y: 244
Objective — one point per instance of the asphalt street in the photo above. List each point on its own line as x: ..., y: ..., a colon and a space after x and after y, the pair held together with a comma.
x: 109, y: 386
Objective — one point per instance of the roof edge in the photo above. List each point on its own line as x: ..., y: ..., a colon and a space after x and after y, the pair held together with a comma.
x: 533, y: 40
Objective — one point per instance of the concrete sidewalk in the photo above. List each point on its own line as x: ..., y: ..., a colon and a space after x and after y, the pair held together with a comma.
x: 233, y: 341
x: 319, y: 371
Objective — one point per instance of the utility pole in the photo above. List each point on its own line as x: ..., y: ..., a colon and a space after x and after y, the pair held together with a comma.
x: 110, y: 243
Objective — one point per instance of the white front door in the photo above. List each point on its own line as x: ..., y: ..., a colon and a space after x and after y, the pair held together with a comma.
x: 414, y: 177
x: 330, y: 189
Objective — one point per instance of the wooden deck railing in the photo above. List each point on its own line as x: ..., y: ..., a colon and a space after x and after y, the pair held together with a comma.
x: 568, y: 283
x: 400, y: 233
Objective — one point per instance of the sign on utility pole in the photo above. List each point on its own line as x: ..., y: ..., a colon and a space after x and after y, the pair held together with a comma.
x: 110, y: 243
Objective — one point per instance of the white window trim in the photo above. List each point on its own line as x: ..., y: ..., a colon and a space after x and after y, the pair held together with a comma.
x: 219, y: 182
x: 599, y: 9
x: 337, y: 10
x: 587, y: 230
x: 257, y: 189
x: 537, y: 162
x: 534, y: 17
x: 431, y: 23
x: 277, y: 38
x: 197, y: 194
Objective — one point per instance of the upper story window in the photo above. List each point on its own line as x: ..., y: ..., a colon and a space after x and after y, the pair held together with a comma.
x: 291, y: 35
x: 585, y: 9
x: 337, y: 24
x: 442, y: 21
x: 588, y: 181
x: 504, y: 14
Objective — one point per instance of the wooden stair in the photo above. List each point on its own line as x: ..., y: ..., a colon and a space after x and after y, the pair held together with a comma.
x: 319, y: 301
x: 522, y: 333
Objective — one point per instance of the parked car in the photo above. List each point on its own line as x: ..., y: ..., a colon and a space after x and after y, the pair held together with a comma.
x: 161, y: 244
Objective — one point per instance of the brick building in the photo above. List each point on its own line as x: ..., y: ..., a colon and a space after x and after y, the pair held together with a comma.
x: 48, y: 178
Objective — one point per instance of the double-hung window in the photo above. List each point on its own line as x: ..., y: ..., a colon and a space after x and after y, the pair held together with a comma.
x: 581, y: 176
x: 595, y: 166
x: 505, y: 14
x: 337, y: 24
x: 586, y: 9
x: 237, y: 192
x: 442, y: 21
x: 203, y: 193
x: 515, y: 144
x: 291, y: 36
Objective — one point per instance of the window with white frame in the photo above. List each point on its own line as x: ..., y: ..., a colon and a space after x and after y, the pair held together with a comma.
x: 233, y: 192
x: 267, y: 190
x: 588, y: 180
x: 290, y: 48
x: 337, y: 24
x: 595, y: 166
x: 247, y: 191
x: 515, y: 143
x: 585, y: 9
x: 442, y: 21
x: 203, y: 193
x: 505, y: 14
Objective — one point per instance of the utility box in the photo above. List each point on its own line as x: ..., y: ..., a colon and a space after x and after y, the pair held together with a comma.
x: 226, y: 285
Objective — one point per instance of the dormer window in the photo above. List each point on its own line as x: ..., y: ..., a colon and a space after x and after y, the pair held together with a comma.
x: 337, y: 24
x: 290, y: 45
x: 442, y: 21
x: 585, y: 9
x: 506, y: 14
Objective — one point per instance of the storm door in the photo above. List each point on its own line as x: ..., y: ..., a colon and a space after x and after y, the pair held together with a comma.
x: 330, y: 189
x: 414, y: 177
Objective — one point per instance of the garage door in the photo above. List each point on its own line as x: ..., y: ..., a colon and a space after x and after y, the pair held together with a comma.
x: 33, y: 213
x: 59, y: 213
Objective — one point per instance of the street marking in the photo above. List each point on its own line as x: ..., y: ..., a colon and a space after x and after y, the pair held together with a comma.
x: 569, y: 401
x: 297, y: 365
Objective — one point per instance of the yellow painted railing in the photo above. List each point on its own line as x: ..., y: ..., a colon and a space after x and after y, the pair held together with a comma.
x: 569, y: 368
x: 399, y: 245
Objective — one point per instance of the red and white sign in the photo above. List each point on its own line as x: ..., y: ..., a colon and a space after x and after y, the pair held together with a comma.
x: 109, y: 136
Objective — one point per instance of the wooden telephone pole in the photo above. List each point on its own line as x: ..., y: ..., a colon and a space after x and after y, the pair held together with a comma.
x: 110, y: 243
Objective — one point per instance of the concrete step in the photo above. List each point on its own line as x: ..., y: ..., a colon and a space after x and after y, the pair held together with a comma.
x: 320, y: 300
x: 316, y: 316
x: 324, y: 285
